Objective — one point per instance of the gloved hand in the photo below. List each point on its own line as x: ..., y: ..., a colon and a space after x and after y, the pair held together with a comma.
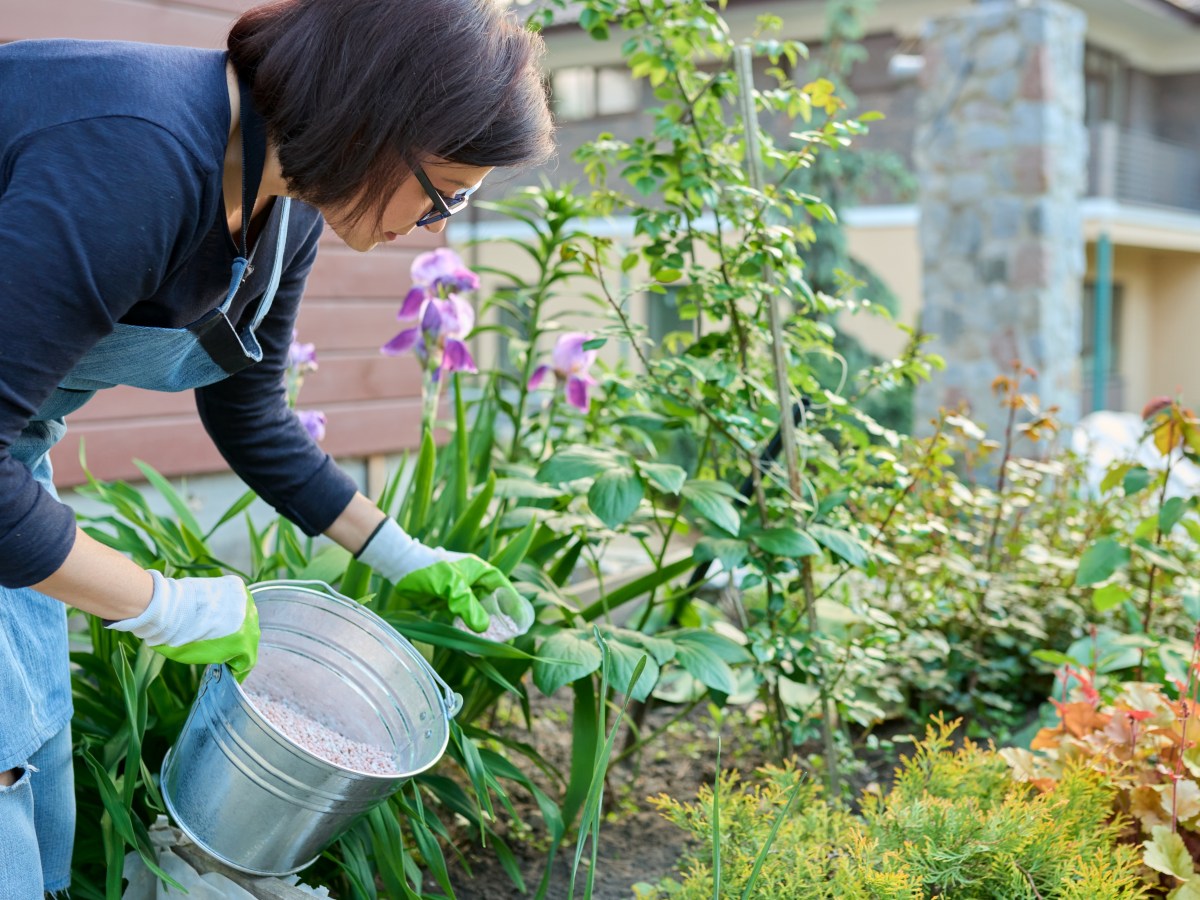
x: 479, y: 594
x: 199, y: 620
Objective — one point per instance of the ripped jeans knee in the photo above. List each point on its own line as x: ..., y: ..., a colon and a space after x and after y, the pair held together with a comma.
x: 37, y: 822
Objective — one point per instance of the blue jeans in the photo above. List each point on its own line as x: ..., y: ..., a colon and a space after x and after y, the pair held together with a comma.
x: 37, y: 823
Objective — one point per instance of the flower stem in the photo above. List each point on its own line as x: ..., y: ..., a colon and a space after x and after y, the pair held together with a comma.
x: 429, y: 402
x: 551, y: 409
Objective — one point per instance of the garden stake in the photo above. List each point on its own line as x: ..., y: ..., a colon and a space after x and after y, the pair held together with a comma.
x: 745, y: 73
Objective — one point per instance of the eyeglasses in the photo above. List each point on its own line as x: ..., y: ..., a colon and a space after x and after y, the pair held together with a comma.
x: 443, y: 207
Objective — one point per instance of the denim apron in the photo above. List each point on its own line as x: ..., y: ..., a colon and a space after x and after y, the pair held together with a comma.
x: 35, y: 687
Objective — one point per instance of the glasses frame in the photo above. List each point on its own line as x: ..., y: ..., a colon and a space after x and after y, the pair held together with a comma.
x: 443, y: 207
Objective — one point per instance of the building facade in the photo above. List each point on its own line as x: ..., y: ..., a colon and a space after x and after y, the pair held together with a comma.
x: 1138, y: 217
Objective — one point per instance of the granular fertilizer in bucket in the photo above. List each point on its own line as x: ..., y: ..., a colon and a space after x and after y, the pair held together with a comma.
x: 320, y: 739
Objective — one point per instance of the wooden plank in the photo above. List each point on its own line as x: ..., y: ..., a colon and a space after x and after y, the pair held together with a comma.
x: 342, y: 377
x: 117, y: 20
x: 341, y: 325
x: 340, y: 272
x: 178, y: 445
x: 410, y: 244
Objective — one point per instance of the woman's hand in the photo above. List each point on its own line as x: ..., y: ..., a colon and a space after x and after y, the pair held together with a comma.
x: 478, y: 593
x: 199, y: 620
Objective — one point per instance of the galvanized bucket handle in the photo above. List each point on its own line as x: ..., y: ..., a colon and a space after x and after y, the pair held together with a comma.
x: 452, y: 701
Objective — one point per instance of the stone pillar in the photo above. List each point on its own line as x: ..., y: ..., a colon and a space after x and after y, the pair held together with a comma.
x: 1001, y: 154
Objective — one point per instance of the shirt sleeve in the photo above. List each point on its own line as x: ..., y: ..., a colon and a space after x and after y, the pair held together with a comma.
x: 259, y: 435
x: 92, y: 213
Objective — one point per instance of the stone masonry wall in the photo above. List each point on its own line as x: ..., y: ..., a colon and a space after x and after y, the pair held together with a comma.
x: 1001, y: 162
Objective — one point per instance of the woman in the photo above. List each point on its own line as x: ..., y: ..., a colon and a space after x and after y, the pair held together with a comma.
x: 159, y: 212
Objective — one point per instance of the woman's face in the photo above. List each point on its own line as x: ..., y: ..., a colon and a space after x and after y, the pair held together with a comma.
x: 408, y: 204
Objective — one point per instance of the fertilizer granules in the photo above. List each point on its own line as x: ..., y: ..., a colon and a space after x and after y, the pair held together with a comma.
x: 321, y: 740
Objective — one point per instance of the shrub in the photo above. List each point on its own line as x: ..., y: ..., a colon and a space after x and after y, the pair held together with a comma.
x: 953, y: 824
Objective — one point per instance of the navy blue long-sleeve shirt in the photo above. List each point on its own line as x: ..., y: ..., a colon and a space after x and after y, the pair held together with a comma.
x: 111, y: 210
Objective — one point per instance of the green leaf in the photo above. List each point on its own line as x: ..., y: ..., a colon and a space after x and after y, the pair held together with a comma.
x: 564, y: 657
x: 711, y: 499
x: 594, y: 344
x: 730, y: 551
x: 514, y: 551
x: 1167, y: 853
x: 462, y: 455
x: 1100, y: 561
x: 573, y: 463
x: 1170, y: 514
x: 1136, y: 480
x: 462, y: 537
x: 615, y: 496
x: 1156, y: 557
x: 524, y: 489
x: 625, y: 660
x: 242, y: 502
x: 1114, y: 476
x: 841, y: 543
x: 636, y: 588
x: 706, y: 667
x: 327, y: 565
x: 666, y: 477
x: 421, y: 488
x: 1055, y: 658
x: 1105, y: 598
x: 662, y: 650
x: 723, y: 647
x: 790, y: 543
x: 1191, y: 606
x: 417, y: 627
x: 169, y: 494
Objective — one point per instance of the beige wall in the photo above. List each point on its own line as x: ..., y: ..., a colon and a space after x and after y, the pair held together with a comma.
x: 1160, y: 318
x: 1173, y: 366
x: 894, y: 254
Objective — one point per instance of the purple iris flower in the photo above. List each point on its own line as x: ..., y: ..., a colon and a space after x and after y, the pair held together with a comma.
x: 442, y: 269
x: 302, y: 358
x: 570, y: 363
x: 438, y: 318
x: 438, y: 339
x: 313, y: 421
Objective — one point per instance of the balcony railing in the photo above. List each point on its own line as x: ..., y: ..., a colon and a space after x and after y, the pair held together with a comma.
x: 1134, y: 167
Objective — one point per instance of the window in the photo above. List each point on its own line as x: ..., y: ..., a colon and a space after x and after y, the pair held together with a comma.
x: 584, y: 92
x: 1106, y: 87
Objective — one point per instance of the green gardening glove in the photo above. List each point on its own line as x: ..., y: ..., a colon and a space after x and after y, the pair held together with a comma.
x: 476, y: 592
x: 199, y: 620
x: 443, y: 581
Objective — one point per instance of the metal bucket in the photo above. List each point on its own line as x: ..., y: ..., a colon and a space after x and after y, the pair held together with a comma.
x: 252, y: 798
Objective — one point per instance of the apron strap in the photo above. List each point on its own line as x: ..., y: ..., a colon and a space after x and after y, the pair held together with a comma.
x: 254, y: 157
x: 276, y: 267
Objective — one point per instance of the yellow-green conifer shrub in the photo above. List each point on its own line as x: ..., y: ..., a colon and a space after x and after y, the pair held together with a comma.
x: 953, y: 825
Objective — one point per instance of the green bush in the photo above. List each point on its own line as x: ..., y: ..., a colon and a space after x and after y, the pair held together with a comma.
x: 953, y: 824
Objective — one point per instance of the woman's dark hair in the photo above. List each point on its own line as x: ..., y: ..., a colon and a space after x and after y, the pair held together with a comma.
x: 356, y: 93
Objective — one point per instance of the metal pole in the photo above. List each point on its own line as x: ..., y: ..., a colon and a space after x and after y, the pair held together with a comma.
x: 744, y: 63
x: 745, y: 72
x: 1102, y: 323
